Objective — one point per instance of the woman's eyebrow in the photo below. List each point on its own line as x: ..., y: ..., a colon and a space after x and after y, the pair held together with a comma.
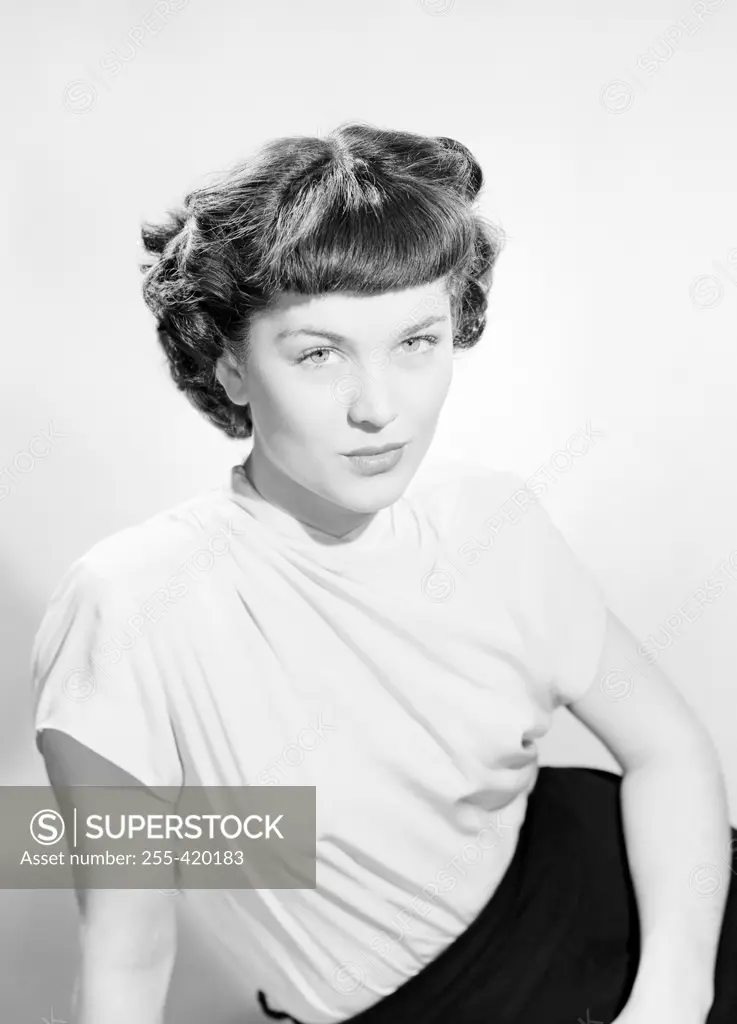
x: 417, y: 325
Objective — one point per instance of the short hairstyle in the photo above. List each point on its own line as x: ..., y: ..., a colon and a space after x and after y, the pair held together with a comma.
x: 363, y: 210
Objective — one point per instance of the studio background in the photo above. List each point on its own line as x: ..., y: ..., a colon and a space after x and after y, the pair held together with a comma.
x: 610, y: 159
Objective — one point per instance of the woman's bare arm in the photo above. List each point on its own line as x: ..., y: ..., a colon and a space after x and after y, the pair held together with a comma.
x: 127, y: 936
x: 676, y: 820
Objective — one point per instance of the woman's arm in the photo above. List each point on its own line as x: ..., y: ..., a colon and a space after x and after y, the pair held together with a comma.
x: 127, y: 953
x: 127, y: 936
x: 676, y: 822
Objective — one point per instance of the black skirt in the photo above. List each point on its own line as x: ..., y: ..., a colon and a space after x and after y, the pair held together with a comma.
x: 559, y: 939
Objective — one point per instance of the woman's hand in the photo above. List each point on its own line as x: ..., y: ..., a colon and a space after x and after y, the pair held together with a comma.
x: 667, y: 1009
x: 666, y: 991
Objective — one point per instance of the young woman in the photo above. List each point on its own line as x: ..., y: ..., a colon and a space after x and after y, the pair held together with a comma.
x: 324, y: 619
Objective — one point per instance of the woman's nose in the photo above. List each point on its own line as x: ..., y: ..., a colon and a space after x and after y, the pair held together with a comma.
x: 372, y: 401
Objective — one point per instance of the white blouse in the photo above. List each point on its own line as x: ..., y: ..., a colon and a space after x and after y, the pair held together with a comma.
x: 405, y: 672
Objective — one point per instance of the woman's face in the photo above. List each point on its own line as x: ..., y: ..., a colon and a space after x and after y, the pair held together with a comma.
x: 328, y: 374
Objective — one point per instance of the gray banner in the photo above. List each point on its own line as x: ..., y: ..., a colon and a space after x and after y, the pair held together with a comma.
x: 197, y: 837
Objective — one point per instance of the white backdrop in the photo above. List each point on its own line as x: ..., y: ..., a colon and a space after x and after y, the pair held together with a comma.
x: 610, y: 158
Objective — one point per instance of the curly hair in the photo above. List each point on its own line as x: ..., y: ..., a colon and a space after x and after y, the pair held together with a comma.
x: 363, y: 210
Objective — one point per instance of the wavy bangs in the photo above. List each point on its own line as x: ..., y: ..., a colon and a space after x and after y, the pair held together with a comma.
x: 366, y: 237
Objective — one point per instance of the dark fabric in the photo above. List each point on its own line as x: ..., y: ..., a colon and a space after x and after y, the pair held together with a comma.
x: 559, y: 939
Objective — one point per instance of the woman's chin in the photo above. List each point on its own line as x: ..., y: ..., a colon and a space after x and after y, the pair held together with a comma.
x: 370, y: 494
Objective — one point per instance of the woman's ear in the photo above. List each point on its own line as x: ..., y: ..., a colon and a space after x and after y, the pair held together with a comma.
x: 232, y: 375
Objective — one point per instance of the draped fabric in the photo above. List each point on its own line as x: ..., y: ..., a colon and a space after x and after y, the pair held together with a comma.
x: 405, y: 671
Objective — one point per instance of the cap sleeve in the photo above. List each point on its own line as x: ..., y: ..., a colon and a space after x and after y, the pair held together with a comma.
x: 111, y: 700
x: 563, y: 607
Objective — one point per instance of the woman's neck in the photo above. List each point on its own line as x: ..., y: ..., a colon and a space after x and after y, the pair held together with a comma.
x: 309, y: 510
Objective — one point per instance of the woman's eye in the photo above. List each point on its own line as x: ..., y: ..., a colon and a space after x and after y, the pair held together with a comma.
x: 308, y: 356
x: 430, y: 339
